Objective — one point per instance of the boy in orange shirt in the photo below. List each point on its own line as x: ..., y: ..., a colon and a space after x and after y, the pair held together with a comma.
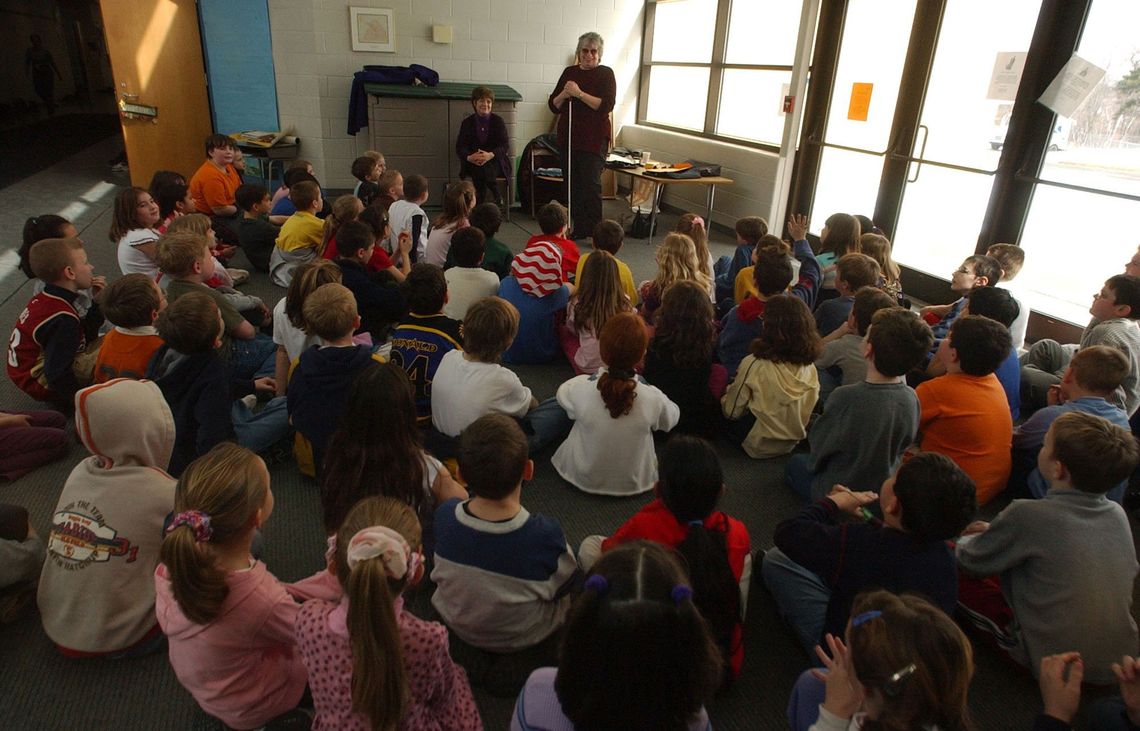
x: 214, y: 185
x: 964, y: 414
x: 131, y: 303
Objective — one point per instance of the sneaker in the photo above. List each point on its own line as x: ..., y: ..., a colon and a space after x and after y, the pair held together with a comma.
x: 119, y: 167
x: 239, y: 276
x: 250, y: 401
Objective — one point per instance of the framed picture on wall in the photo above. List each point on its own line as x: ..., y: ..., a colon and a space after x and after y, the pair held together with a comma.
x: 373, y: 29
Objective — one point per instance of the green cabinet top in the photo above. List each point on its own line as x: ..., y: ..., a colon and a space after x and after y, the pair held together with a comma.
x: 442, y: 90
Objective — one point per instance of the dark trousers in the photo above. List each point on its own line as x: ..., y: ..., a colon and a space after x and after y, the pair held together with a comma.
x: 585, y: 192
x: 484, y: 178
x: 23, y: 448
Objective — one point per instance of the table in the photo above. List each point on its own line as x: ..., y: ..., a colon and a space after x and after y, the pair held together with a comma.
x: 659, y: 185
x: 278, y: 153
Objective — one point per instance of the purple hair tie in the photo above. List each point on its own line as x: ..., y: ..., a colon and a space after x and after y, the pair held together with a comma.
x: 599, y: 584
x: 198, y: 521
x: 680, y: 593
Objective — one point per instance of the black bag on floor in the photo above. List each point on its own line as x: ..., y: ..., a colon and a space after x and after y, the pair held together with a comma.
x: 639, y: 226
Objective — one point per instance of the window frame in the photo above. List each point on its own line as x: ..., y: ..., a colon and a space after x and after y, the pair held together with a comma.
x: 716, y: 66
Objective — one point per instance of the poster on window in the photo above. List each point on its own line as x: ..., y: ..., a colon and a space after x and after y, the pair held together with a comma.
x: 1072, y: 86
x: 1006, y: 76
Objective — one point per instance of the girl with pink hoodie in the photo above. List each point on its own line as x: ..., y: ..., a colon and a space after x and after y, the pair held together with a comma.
x: 229, y: 622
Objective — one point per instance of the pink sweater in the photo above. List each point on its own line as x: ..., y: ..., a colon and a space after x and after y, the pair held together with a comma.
x: 441, y: 697
x: 242, y: 668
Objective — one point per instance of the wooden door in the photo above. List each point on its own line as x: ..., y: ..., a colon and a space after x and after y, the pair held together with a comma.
x: 156, y: 57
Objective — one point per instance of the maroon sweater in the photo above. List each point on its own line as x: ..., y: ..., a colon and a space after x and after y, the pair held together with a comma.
x: 591, y: 126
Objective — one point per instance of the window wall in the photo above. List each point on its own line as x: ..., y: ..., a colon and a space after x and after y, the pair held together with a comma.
x: 719, y: 68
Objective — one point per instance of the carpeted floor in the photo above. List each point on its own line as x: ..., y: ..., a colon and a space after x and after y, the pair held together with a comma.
x: 40, y: 689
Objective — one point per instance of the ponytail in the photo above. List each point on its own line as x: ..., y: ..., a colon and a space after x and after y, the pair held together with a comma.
x: 198, y: 583
x: 379, y: 680
x: 216, y: 500
x: 618, y: 391
x: 716, y: 592
x: 622, y: 344
x: 379, y: 537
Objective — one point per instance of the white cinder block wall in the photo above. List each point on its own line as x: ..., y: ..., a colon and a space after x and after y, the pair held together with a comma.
x: 522, y: 43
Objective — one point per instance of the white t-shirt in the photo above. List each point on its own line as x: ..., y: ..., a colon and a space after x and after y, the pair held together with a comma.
x: 611, y: 456
x: 464, y: 286
x: 1017, y: 329
x: 400, y: 215
x: 464, y: 390
x: 439, y: 243
x: 284, y: 333
x: 131, y: 260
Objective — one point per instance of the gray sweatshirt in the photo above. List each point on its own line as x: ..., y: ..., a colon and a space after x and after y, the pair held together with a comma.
x: 1067, y: 563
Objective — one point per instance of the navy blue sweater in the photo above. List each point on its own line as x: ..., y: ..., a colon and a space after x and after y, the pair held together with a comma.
x: 854, y: 557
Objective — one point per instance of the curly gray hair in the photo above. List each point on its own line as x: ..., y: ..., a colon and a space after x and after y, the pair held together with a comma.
x: 590, y: 37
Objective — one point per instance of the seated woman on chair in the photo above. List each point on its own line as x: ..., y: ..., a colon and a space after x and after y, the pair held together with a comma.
x: 483, y: 146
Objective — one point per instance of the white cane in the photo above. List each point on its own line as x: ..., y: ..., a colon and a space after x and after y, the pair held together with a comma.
x: 569, y: 153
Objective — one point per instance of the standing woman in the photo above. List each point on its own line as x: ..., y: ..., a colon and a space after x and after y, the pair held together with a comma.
x: 483, y: 147
x: 591, y: 88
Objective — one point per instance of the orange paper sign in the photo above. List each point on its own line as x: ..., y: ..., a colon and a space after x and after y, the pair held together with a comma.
x: 860, y: 101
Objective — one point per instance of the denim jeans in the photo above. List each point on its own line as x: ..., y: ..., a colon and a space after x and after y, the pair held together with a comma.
x: 803, y: 703
x: 548, y: 423
x: 254, y: 358
x: 801, y: 596
x: 261, y: 430
x: 799, y: 477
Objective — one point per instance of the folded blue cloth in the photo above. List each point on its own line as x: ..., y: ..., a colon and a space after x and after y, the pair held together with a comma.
x: 549, y: 172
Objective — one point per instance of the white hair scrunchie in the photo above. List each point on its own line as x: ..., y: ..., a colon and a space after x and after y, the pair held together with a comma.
x: 387, y: 545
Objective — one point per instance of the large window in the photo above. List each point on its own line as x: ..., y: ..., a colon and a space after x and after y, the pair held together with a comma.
x: 719, y: 68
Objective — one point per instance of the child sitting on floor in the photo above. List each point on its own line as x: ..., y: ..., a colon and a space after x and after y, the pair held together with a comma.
x: 300, y: 237
x: 842, y: 362
x: 878, y: 247
x: 379, y: 303
x: 467, y: 281
x: 229, y: 622
x: 716, y: 548
x: 597, y: 298
x: 21, y: 558
x: 372, y: 663
x: 458, y: 202
x: 693, y: 226
x: 679, y: 359
x: 676, y: 262
x: 425, y: 335
x: 839, y: 237
x: 503, y: 575
x: 901, y: 664
x: 537, y: 290
x: 131, y: 303
x: 614, y: 413
x: 52, y: 351
x: 608, y: 236
x: 852, y: 272
x: 964, y: 414
x: 749, y: 230
x: 185, y: 258
x: 1066, y: 562
x: 96, y: 599
x: 256, y: 234
x: 822, y: 560
x: 470, y: 382
x: 319, y: 383
x: 133, y: 223
x: 846, y: 446
x: 408, y: 215
x: 1012, y: 258
x: 497, y: 256
x: 772, y: 396
x: 377, y: 450
x: 1089, y: 382
x: 50, y: 226
x: 628, y: 635
x: 367, y: 171
x: 553, y: 221
x: 772, y: 275
x: 289, y: 329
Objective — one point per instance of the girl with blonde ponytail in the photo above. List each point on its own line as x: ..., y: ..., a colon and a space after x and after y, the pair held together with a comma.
x: 373, y: 665
x: 229, y: 622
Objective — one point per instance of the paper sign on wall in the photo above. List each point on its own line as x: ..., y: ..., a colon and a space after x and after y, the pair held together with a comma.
x: 860, y: 103
x: 1006, y: 76
x: 785, y: 99
x: 1072, y: 86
